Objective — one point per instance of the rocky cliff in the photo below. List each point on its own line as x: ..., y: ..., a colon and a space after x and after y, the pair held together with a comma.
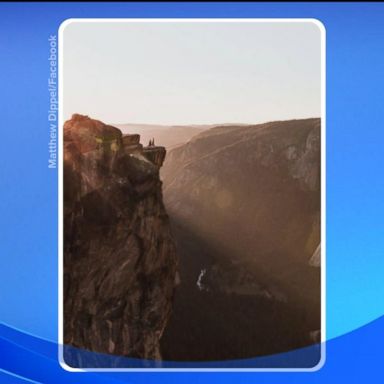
x: 119, y: 256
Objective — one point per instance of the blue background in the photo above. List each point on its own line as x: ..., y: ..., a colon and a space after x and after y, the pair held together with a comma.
x: 28, y: 194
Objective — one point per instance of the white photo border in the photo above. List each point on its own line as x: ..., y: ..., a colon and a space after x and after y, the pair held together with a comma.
x: 322, y: 30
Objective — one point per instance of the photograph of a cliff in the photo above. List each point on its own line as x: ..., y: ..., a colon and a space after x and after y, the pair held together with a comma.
x: 119, y: 256
x: 193, y: 230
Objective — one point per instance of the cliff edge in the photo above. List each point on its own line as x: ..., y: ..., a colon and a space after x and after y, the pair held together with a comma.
x: 119, y: 255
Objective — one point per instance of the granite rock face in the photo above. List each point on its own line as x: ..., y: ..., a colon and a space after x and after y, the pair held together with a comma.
x: 155, y: 154
x: 119, y: 256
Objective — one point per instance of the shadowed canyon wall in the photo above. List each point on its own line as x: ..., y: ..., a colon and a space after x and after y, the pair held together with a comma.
x: 244, y: 202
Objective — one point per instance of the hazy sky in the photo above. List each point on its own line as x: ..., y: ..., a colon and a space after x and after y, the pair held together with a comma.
x: 192, y: 73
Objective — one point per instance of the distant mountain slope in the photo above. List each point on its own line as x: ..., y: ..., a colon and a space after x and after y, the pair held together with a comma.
x: 263, y: 180
x: 244, y: 202
x: 166, y: 136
